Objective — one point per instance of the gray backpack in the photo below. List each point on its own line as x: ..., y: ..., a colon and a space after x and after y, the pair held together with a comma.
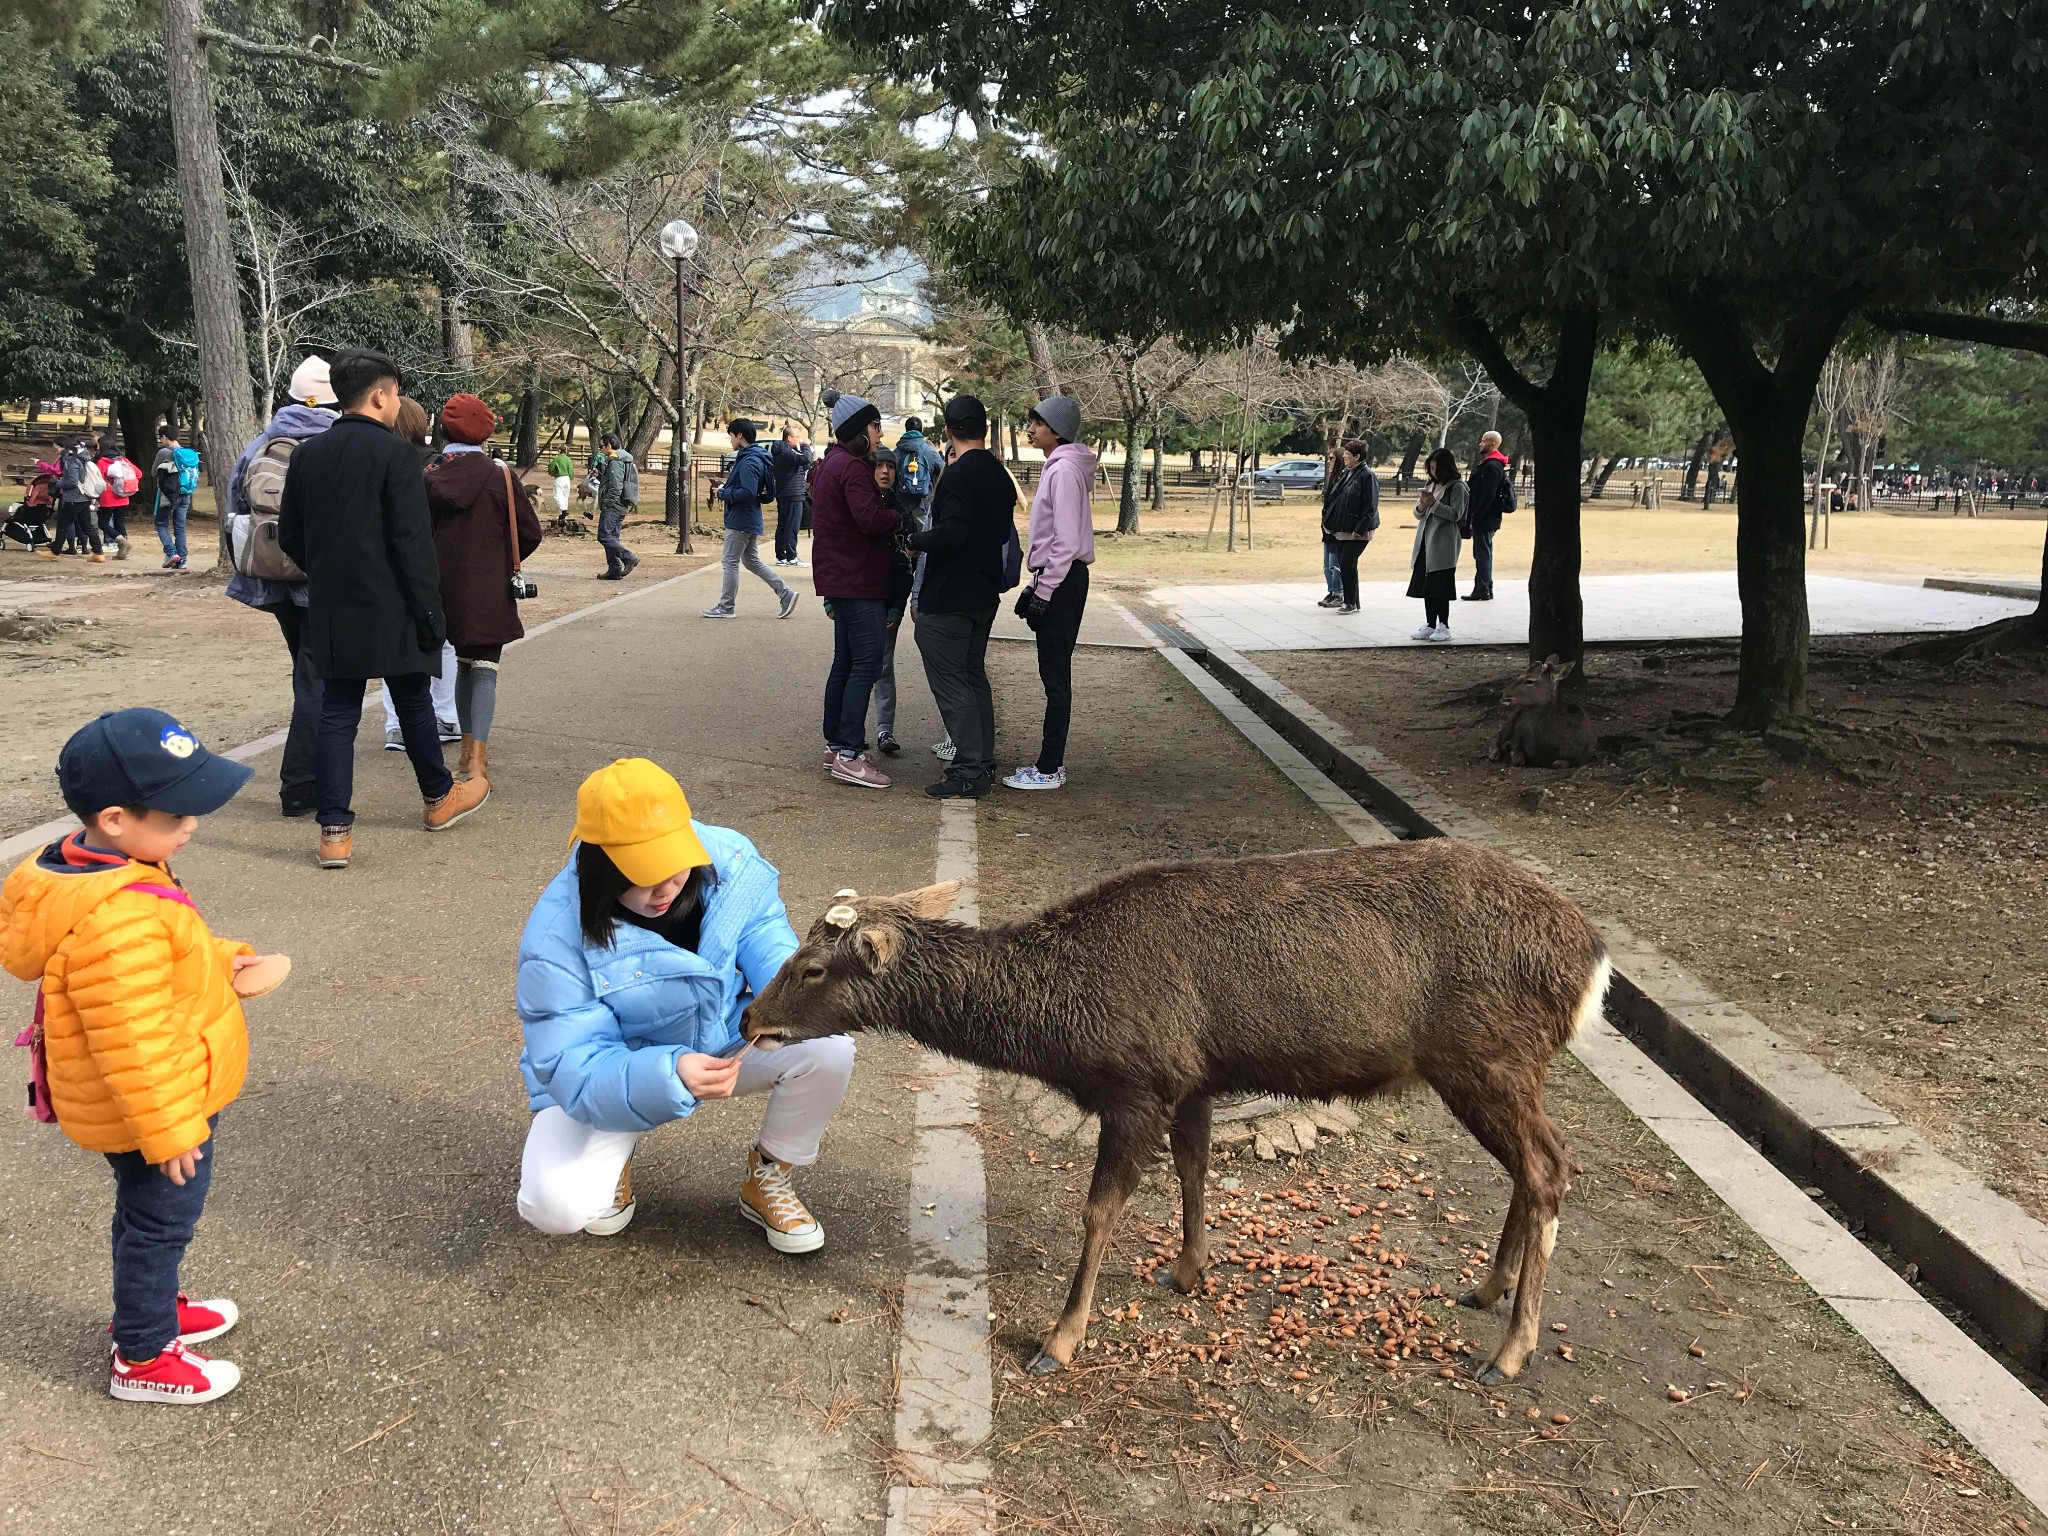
x: 252, y: 537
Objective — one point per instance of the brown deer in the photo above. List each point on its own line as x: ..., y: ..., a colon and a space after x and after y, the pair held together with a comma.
x: 1346, y: 971
x: 1541, y: 730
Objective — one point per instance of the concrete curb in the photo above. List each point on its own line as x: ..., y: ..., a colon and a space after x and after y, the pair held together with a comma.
x: 1978, y: 1249
x: 2026, y: 591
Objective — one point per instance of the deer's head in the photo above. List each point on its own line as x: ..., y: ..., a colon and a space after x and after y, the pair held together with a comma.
x: 837, y: 981
x: 1539, y: 684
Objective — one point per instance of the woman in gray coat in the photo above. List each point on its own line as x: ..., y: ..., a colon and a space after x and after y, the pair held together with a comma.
x: 1434, y: 577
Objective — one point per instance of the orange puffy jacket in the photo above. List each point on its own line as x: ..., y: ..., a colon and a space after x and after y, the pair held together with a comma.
x: 143, y: 1030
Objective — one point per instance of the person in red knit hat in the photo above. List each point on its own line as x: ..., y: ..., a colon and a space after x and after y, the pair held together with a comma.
x: 484, y: 524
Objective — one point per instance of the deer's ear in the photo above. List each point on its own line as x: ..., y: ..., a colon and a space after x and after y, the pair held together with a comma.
x: 878, y: 946
x: 1563, y: 669
x: 931, y: 901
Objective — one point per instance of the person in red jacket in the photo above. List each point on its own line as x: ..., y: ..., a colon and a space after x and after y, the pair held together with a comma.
x: 853, y: 534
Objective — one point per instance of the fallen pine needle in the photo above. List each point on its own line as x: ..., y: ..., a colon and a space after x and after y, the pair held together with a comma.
x: 731, y: 1482
x: 1750, y: 1481
x: 380, y: 1434
x: 54, y: 1455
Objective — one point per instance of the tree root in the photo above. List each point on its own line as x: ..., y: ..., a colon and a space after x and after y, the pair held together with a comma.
x: 1705, y: 751
x: 2023, y: 634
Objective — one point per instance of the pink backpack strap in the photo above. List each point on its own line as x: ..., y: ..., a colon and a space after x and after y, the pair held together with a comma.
x: 168, y: 892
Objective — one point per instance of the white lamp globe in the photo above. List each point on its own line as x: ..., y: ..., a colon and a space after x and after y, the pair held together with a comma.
x: 678, y: 240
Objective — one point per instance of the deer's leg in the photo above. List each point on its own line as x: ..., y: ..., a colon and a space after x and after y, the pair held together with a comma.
x: 1507, y: 1257
x: 1119, y: 1160
x: 1549, y: 1178
x: 1190, y: 1137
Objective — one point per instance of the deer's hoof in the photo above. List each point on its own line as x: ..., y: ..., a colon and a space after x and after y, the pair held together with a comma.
x: 1167, y: 1280
x: 1473, y: 1300
x: 1487, y: 1374
x: 1044, y: 1365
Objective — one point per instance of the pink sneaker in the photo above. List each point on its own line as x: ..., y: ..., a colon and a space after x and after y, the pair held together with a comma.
x: 858, y: 770
x: 175, y: 1376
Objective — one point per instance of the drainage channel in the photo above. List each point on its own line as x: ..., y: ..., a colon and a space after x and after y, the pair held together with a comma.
x: 1991, y: 1276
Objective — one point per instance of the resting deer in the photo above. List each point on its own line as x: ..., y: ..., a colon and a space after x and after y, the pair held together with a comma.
x: 1349, y: 971
x: 1541, y: 731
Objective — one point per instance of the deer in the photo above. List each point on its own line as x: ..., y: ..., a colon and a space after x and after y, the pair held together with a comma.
x: 1338, y: 972
x: 1541, y: 731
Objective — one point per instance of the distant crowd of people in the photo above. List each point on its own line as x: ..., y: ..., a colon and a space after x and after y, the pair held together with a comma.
x: 1450, y: 511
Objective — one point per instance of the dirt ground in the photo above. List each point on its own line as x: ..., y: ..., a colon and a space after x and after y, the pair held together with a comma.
x: 1883, y: 910
x: 1318, y: 1383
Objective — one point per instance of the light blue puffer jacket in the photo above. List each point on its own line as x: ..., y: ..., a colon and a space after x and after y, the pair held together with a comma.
x: 604, y: 1027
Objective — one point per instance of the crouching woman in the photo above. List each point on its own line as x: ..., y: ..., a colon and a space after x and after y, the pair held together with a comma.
x: 633, y: 971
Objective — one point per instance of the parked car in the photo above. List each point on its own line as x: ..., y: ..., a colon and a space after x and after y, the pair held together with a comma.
x: 1291, y: 474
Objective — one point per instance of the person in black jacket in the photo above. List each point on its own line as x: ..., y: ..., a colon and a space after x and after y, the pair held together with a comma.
x: 973, y: 524
x: 1489, y: 495
x: 1351, y: 515
x: 792, y: 458
x: 354, y: 517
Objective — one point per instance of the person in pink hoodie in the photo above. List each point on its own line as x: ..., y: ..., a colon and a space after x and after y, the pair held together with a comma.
x: 1057, y: 555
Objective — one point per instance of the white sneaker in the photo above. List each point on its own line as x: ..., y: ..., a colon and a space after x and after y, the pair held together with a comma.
x: 394, y: 741
x: 1441, y: 632
x: 945, y: 751
x: 175, y: 1376
x: 620, y: 1216
x: 449, y: 730
x: 1028, y: 777
x: 1426, y: 632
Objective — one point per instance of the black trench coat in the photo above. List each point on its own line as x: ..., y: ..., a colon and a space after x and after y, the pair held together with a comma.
x: 354, y: 516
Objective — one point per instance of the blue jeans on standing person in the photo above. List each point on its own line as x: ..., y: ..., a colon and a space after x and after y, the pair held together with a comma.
x: 618, y: 560
x: 789, y: 520
x: 341, y: 712
x: 859, y: 634
x: 1333, y: 577
x: 171, y: 512
x: 153, y: 1222
x: 1482, y: 563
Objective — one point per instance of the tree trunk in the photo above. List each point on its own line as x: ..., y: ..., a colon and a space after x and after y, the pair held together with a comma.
x: 526, y: 435
x: 1127, y: 500
x: 1408, y: 457
x: 209, y: 252
x: 458, y: 340
x: 1158, y: 467
x: 1045, y: 372
x: 1556, y: 412
x: 1600, y: 480
x: 137, y: 421
x: 655, y: 416
x: 1693, y: 465
x: 1767, y: 410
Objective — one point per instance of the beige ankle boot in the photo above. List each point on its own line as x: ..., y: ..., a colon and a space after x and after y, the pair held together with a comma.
x: 465, y: 765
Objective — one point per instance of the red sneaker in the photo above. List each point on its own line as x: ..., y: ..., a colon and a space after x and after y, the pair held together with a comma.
x: 175, y: 1376
x: 199, y: 1321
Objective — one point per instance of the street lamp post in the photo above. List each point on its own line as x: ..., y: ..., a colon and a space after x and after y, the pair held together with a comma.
x: 679, y: 244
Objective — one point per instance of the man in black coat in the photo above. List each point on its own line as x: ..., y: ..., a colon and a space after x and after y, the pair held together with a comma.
x: 973, y: 522
x: 792, y: 457
x: 354, y: 517
x: 1488, y: 496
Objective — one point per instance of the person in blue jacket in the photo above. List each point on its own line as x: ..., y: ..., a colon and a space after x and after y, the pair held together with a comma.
x: 749, y: 482
x: 633, y: 971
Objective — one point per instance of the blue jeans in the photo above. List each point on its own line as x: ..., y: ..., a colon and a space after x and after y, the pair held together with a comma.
x: 859, y: 635
x: 1332, y: 577
x: 1482, y: 562
x: 153, y: 1222
x: 341, y: 711
x: 789, y: 518
x: 171, y: 512
x: 610, y: 522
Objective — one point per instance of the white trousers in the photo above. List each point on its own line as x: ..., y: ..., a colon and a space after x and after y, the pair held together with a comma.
x: 562, y: 489
x: 443, y: 689
x: 569, y: 1170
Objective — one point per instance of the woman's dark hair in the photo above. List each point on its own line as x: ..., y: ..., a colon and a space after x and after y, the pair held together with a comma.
x: 600, y: 883
x: 1357, y: 449
x: 1442, y: 466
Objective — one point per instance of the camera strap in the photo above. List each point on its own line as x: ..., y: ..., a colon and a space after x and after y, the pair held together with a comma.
x: 511, y: 514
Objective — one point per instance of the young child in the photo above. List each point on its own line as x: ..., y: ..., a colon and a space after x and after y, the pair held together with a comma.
x: 902, y: 574
x: 141, y: 1022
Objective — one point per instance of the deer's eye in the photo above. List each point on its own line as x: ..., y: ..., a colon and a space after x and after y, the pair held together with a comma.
x: 813, y: 974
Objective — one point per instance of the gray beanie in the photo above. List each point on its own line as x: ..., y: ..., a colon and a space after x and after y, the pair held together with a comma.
x: 851, y: 415
x: 1060, y: 413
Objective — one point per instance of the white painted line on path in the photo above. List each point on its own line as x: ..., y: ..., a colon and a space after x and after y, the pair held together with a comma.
x: 2004, y: 1421
x: 26, y: 842
x: 944, y: 1401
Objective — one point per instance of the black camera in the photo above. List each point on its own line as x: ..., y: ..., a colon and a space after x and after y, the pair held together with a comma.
x: 523, y: 588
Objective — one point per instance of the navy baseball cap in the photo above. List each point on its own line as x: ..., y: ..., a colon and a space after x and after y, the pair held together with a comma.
x: 142, y: 757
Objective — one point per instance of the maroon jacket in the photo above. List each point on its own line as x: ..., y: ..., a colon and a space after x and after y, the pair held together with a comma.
x: 853, y: 531
x: 466, y: 495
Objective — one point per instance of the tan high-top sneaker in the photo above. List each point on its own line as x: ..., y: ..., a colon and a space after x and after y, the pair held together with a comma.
x: 620, y: 1216
x: 769, y: 1201
x: 461, y: 799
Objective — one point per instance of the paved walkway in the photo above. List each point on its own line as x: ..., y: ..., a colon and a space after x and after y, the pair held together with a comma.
x: 1681, y: 606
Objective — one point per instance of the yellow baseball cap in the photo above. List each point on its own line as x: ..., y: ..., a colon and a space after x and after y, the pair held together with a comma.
x: 636, y: 812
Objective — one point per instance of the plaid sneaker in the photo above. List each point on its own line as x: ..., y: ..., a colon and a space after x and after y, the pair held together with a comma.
x: 1028, y: 777
x: 769, y: 1201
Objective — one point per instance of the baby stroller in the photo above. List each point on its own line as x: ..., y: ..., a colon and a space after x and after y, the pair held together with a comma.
x: 28, y: 518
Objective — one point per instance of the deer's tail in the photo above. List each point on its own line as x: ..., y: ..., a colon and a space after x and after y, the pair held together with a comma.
x: 1595, y: 997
